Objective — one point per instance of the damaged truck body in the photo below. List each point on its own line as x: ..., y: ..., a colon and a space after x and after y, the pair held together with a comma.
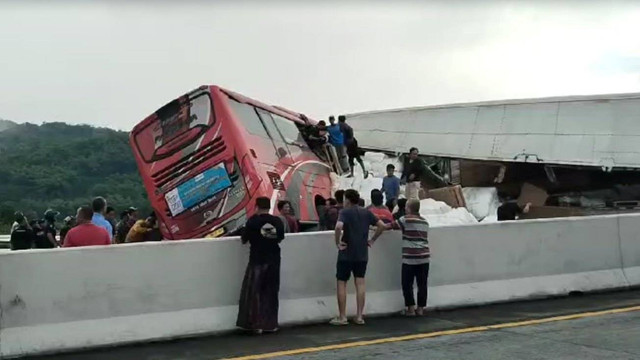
x: 568, y: 156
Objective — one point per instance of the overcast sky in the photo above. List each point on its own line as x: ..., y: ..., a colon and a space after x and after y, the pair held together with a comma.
x: 113, y: 63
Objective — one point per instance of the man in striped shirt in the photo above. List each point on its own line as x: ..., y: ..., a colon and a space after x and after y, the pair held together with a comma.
x: 415, y: 257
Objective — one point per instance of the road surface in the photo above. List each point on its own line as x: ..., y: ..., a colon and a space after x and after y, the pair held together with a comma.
x: 595, y: 326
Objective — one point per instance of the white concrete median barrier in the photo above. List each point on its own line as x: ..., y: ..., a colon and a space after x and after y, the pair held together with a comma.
x: 54, y: 300
x: 630, y: 247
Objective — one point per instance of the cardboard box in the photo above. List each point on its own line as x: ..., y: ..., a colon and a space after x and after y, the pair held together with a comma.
x: 532, y: 194
x: 451, y: 195
x: 478, y: 173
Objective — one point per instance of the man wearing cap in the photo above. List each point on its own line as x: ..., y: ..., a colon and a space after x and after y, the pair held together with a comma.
x: 46, y: 234
x: 99, y: 206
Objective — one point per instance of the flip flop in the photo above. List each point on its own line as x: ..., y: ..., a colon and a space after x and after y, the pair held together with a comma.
x: 359, y: 321
x: 338, y: 322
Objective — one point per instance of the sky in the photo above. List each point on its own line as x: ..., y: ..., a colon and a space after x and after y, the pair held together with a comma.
x: 112, y: 63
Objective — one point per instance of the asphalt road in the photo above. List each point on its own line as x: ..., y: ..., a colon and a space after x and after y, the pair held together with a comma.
x: 605, y: 335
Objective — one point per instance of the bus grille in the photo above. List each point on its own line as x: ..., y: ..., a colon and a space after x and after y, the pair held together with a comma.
x: 188, y: 163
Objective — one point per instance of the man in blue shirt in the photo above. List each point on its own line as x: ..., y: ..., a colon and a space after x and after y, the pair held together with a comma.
x: 391, y: 187
x: 99, y: 206
x: 336, y: 138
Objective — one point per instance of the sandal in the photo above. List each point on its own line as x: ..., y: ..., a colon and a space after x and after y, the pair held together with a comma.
x: 359, y: 321
x: 338, y: 322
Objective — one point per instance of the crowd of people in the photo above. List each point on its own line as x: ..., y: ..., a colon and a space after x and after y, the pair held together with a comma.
x: 339, y: 136
x: 93, y: 224
x: 351, y: 222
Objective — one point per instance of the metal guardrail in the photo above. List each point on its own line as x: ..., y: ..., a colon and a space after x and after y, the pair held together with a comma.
x: 4, y: 241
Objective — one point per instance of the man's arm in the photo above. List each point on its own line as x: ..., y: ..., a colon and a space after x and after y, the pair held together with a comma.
x: 338, y: 236
x: 380, y: 227
x: 52, y: 239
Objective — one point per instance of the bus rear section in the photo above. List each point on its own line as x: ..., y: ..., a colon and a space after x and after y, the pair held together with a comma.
x: 189, y: 170
x: 202, y: 171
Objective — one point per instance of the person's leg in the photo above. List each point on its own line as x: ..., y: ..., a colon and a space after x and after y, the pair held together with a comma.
x: 359, y: 271
x: 343, y: 272
x: 360, y: 297
x: 407, y: 289
x: 342, y: 300
x: 270, y: 302
x: 422, y: 276
x: 364, y: 171
x: 351, y: 163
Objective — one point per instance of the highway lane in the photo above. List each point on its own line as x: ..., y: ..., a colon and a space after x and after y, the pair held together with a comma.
x: 582, y: 336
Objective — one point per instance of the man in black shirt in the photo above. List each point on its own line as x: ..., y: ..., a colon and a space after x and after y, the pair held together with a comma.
x: 258, y: 310
x: 46, y: 234
x: 353, y: 152
x: 413, y: 171
x: 510, y: 210
x: 22, y: 235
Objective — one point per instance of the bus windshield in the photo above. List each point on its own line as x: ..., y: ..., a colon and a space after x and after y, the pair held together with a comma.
x: 174, y: 125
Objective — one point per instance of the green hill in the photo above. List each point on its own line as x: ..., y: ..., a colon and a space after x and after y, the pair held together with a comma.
x: 62, y: 166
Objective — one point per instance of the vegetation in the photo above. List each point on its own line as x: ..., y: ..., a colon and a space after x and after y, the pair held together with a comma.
x: 61, y: 167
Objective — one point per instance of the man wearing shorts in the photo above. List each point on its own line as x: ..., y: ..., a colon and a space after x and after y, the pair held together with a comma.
x: 352, y: 240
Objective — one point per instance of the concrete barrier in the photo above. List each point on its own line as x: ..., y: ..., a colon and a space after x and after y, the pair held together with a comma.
x: 54, y: 300
x: 630, y: 247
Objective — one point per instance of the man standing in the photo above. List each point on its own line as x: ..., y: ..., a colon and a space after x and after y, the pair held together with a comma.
x: 336, y: 138
x: 110, y: 215
x: 415, y: 257
x: 333, y: 211
x: 258, y: 310
x: 21, y: 235
x: 99, y: 206
x: 352, y: 145
x: 122, y: 228
x: 85, y: 233
x: 46, y: 233
x: 412, y: 173
x: 390, y: 187
x: 352, y: 240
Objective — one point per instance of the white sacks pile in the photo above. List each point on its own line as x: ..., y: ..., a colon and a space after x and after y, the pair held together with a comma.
x: 436, y: 212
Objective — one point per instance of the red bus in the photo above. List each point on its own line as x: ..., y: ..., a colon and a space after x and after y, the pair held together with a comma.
x: 206, y: 156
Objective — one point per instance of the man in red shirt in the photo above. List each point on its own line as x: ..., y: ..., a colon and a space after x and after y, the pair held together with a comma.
x: 379, y: 210
x: 85, y: 233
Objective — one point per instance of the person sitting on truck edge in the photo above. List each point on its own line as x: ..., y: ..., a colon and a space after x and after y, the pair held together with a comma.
x: 353, y: 152
x: 391, y: 186
x: 336, y: 138
x: 412, y: 173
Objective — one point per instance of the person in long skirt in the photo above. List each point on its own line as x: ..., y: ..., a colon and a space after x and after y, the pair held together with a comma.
x: 258, y: 309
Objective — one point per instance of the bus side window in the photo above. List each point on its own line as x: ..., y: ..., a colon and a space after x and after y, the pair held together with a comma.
x: 249, y: 118
x: 289, y: 131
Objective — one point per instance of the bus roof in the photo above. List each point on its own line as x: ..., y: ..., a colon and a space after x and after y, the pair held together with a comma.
x: 289, y: 114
